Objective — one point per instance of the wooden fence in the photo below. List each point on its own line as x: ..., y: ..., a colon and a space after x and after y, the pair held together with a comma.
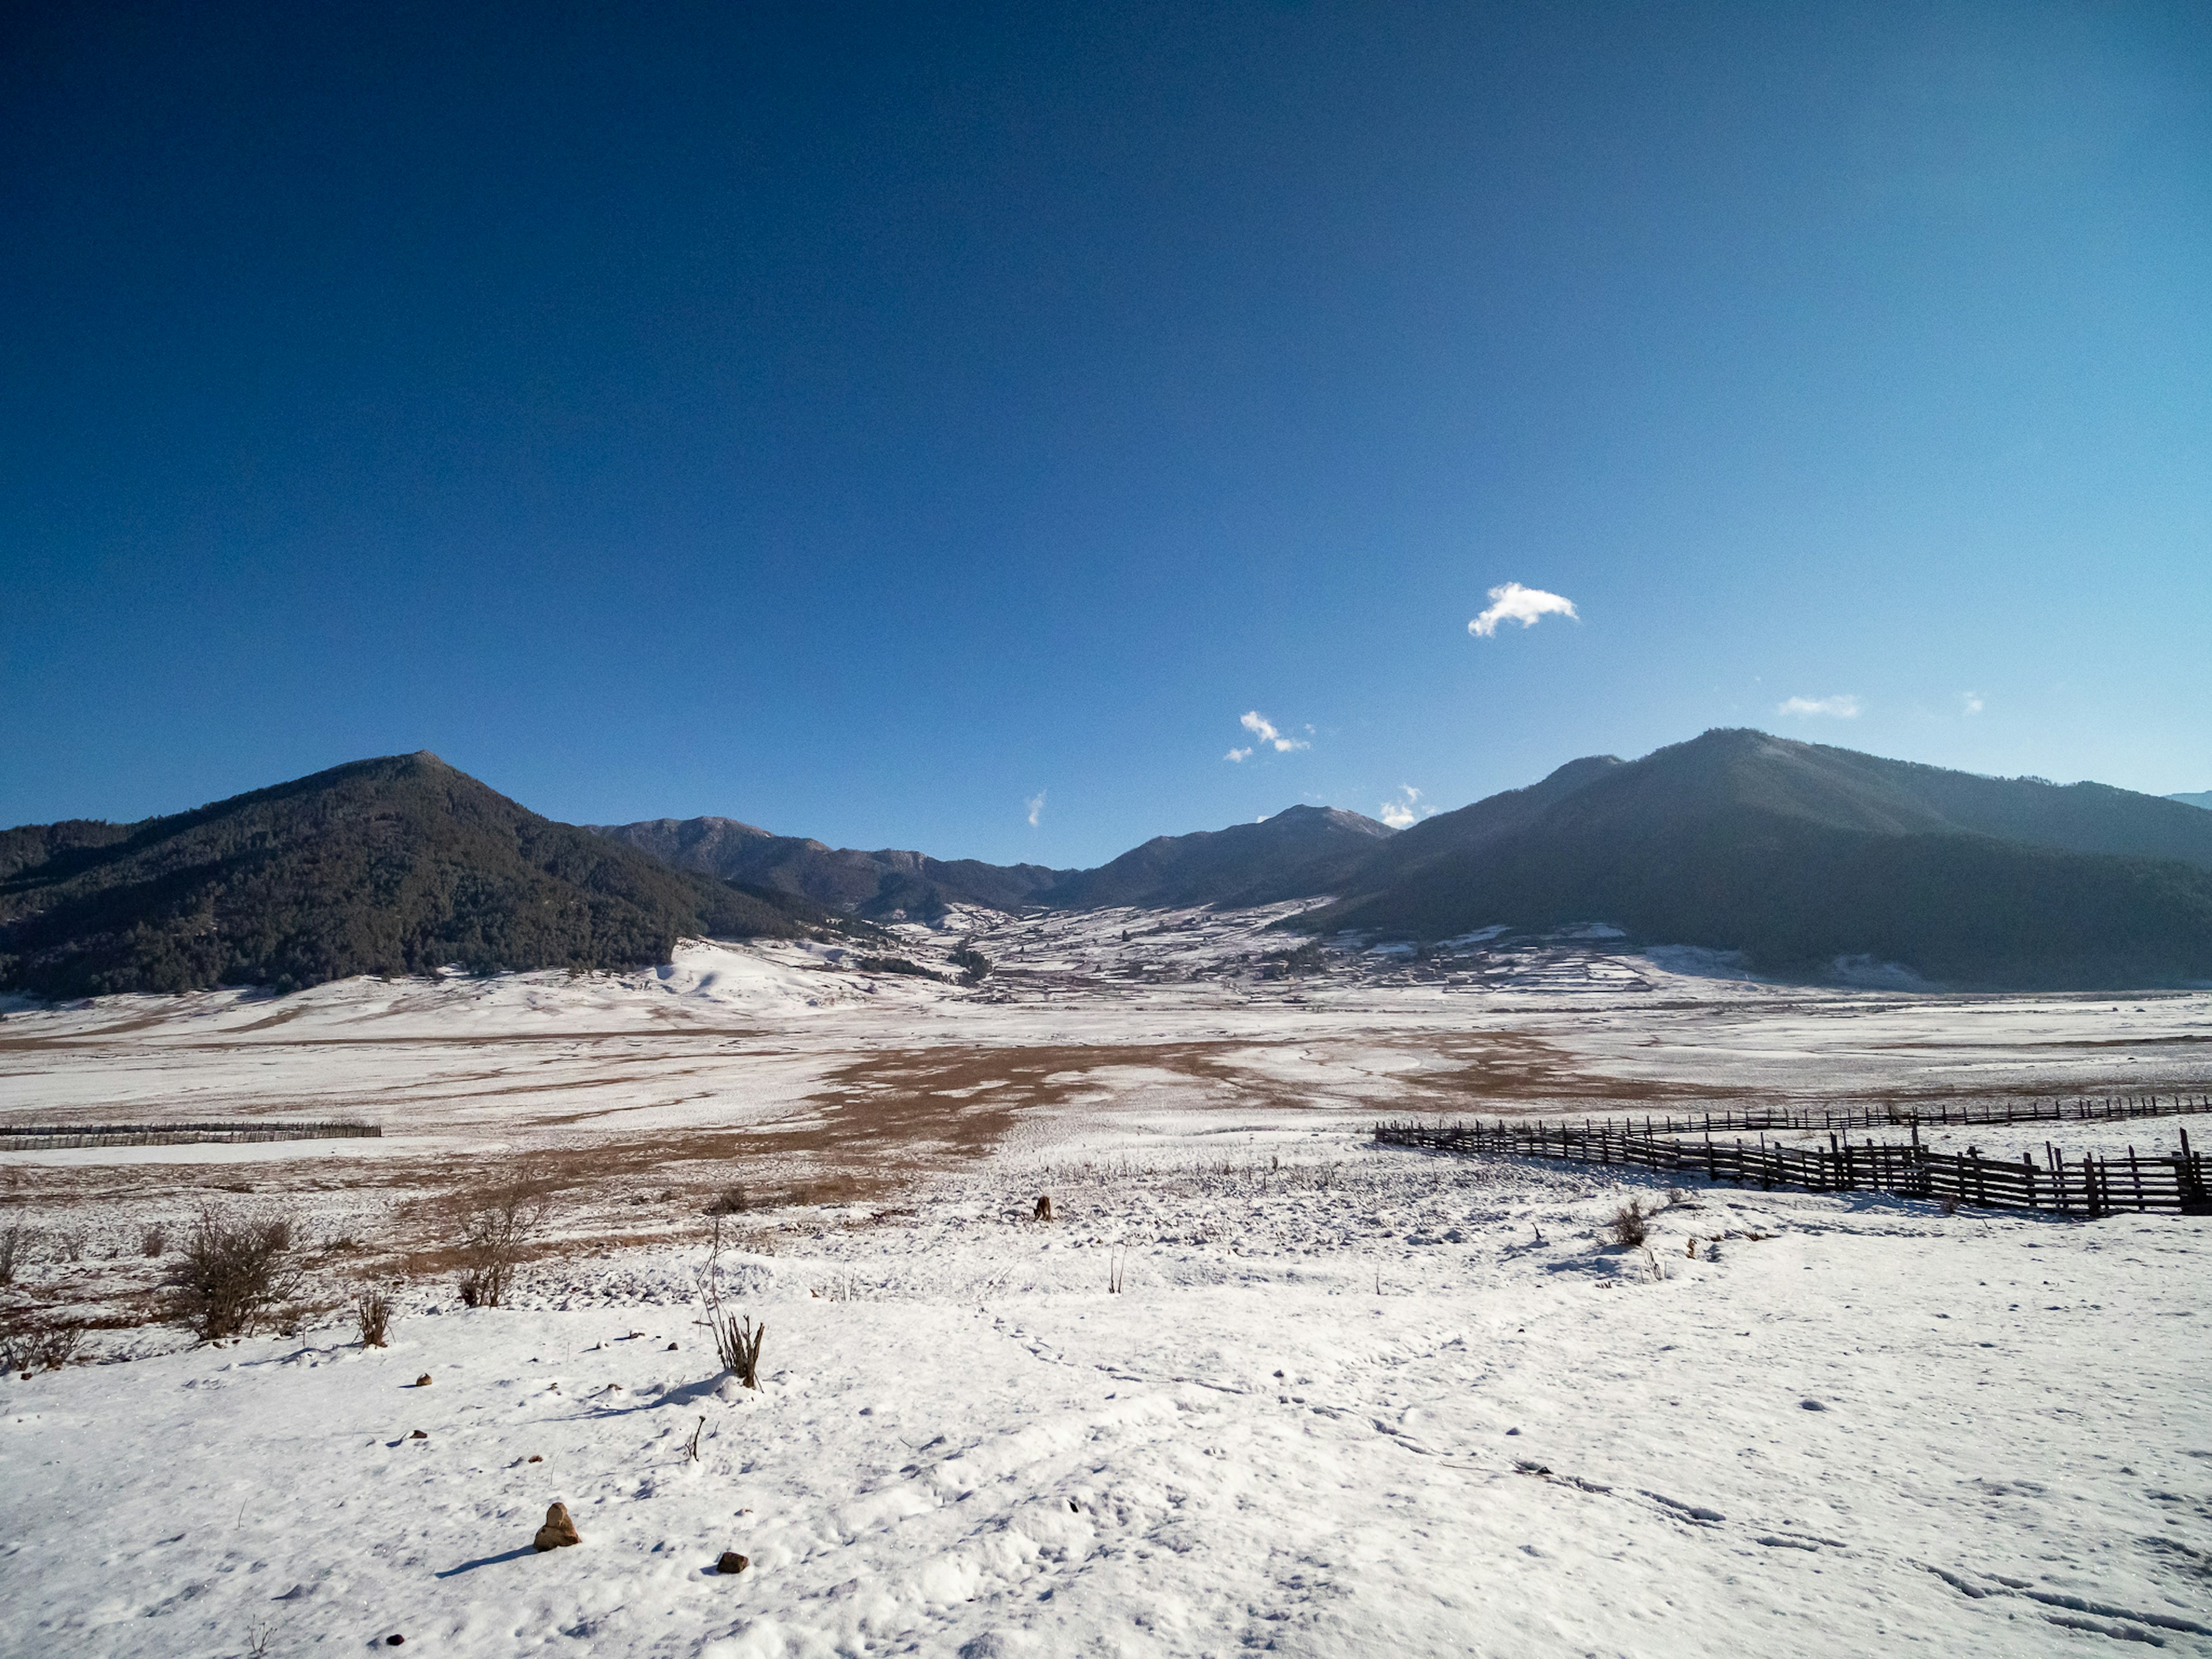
x: 2105, y: 1109
x: 2169, y: 1183
x: 45, y: 1138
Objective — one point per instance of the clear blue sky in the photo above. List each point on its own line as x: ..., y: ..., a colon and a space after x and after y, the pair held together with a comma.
x: 863, y: 422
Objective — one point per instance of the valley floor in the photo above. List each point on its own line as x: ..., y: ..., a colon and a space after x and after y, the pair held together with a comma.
x: 1346, y: 1400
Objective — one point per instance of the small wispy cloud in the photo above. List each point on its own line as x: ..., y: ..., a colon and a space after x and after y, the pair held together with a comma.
x: 1843, y: 708
x: 1238, y: 755
x: 1404, y: 808
x: 1969, y: 702
x: 1035, y: 806
x: 1514, y: 603
x: 1263, y: 729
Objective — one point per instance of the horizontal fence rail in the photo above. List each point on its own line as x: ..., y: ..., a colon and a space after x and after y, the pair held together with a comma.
x: 2105, y: 1109
x: 59, y: 1137
x: 2164, y: 1183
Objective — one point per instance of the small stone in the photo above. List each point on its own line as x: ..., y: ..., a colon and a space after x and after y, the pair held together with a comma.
x: 535, y: 1458
x: 558, y: 1530
x: 418, y: 1435
x: 1043, y: 1211
x: 672, y: 1347
x: 395, y: 1640
x: 424, y: 1381
x: 732, y: 1562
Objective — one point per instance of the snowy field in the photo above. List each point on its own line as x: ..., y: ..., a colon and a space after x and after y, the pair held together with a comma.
x: 1344, y: 1399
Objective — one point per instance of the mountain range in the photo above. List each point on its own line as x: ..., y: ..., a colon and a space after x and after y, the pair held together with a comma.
x: 1798, y: 854
x: 881, y: 886
x: 398, y: 865
x: 1297, y: 853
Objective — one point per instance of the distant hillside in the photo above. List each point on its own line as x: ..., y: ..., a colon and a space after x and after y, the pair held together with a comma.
x: 877, y: 885
x: 383, y: 866
x: 1303, y: 852
x: 2202, y: 798
x: 1799, y: 853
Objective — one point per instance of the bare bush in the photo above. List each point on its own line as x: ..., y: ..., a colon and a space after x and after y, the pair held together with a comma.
x: 499, y: 1226
x: 738, y: 1346
x: 1628, y: 1224
x: 737, y: 1340
x: 27, y: 1349
x: 372, y: 1317
x: 71, y: 1242
x: 232, y: 1273
x: 731, y: 1201
x: 153, y: 1239
x: 15, y: 1240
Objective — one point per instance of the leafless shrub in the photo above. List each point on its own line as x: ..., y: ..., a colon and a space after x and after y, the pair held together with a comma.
x: 738, y: 1346
x: 231, y: 1273
x: 26, y: 1349
x: 499, y: 1226
x: 1628, y: 1224
x: 153, y: 1239
x: 69, y: 1241
x: 372, y: 1316
x: 731, y: 1201
x: 737, y: 1340
x: 15, y: 1240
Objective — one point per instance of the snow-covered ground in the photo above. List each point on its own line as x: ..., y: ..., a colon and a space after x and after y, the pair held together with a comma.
x: 1347, y: 1399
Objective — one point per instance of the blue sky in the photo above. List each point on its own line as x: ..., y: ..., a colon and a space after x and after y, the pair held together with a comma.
x: 893, y: 425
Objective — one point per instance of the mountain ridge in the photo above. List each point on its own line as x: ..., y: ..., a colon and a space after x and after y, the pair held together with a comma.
x: 396, y: 864
x: 879, y: 885
x: 1798, y: 853
x: 1802, y: 854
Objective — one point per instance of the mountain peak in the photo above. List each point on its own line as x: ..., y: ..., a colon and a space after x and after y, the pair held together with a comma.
x: 396, y: 865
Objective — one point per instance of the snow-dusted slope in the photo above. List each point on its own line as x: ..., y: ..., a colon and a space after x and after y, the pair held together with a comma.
x: 1348, y: 1403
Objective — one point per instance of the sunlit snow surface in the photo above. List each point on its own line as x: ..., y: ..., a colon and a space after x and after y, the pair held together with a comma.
x: 1348, y: 1401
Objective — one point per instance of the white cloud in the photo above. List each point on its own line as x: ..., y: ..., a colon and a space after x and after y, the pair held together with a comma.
x: 1844, y: 708
x: 1238, y: 755
x: 1514, y: 603
x: 1264, y: 729
x: 1036, y: 804
x: 1969, y: 702
x: 1404, y: 808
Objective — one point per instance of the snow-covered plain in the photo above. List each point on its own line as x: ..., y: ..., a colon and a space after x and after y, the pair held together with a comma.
x: 1345, y: 1401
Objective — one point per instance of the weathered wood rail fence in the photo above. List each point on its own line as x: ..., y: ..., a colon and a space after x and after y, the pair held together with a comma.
x: 2167, y: 1183
x: 2104, y: 1109
x: 48, y: 1138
